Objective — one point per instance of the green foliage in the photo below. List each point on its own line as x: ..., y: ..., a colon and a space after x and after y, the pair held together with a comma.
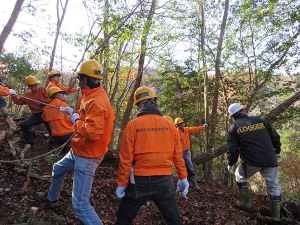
x: 53, y: 158
x: 58, y: 220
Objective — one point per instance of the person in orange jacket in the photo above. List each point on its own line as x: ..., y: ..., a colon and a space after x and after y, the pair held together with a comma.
x: 184, y: 133
x: 53, y: 77
x: 60, y: 125
x: 32, y: 98
x: 5, y: 91
x: 150, y: 145
x: 93, y: 125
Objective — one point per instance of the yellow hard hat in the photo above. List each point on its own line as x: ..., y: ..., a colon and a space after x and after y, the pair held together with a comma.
x: 178, y: 121
x: 31, y: 80
x: 54, y: 90
x: 54, y: 72
x: 91, y: 68
x: 169, y: 118
x: 143, y: 93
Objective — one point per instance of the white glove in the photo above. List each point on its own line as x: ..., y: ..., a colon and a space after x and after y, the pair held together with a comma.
x: 74, y: 117
x: 184, y: 185
x: 205, y: 126
x: 74, y: 76
x: 66, y: 110
x: 120, y: 192
x: 77, y: 88
x: 12, y: 92
x: 230, y: 169
x: 278, y: 157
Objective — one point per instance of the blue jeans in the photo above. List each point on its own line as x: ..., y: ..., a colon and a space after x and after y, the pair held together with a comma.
x: 33, y: 120
x: 186, y: 154
x: 159, y: 189
x: 84, y: 171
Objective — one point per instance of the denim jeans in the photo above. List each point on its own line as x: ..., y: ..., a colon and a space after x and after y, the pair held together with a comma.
x: 33, y: 120
x: 84, y: 171
x: 188, y: 163
x: 159, y: 189
x: 270, y: 174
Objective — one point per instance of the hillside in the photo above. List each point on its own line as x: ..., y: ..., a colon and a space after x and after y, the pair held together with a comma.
x: 214, y: 204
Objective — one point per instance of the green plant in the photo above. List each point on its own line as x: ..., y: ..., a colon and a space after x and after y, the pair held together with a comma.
x: 57, y: 219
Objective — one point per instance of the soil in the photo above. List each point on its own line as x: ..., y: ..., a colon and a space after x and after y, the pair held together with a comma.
x: 213, y: 204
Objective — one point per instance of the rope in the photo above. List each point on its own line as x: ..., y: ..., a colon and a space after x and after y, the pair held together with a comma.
x: 40, y: 102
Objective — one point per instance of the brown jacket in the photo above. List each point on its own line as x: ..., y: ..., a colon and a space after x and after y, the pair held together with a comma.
x: 40, y: 95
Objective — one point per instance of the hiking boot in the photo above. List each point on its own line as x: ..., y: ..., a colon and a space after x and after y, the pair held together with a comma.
x: 42, y: 196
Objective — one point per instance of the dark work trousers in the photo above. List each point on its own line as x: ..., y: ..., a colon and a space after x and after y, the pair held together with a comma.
x: 33, y: 120
x: 60, y: 140
x: 159, y: 189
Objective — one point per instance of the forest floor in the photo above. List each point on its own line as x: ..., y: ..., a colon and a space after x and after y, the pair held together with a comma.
x: 213, y: 204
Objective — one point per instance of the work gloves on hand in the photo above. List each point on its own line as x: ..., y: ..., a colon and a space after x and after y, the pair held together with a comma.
x: 77, y: 88
x: 120, y: 192
x: 67, y: 110
x: 183, y: 185
x: 278, y: 157
x: 205, y: 126
x: 12, y: 92
x: 74, y: 117
x: 230, y: 169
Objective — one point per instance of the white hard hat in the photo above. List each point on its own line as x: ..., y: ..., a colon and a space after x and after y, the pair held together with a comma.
x: 234, y: 108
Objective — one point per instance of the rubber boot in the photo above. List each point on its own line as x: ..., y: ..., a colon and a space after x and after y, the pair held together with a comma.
x: 245, y: 195
x: 275, y: 207
x: 194, y: 182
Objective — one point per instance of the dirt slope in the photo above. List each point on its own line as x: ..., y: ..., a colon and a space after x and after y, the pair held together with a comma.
x: 214, y: 204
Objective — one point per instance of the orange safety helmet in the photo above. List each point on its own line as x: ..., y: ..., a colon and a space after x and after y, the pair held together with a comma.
x: 31, y: 80
x: 143, y: 93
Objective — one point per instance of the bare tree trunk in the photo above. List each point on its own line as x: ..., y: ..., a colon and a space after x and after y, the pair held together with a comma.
x: 58, y: 27
x: 140, y: 68
x: 212, y: 127
x: 10, y: 23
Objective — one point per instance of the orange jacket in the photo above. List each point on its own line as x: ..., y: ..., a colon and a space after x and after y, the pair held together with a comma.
x: 53, y: 83
x: 152, y: 143
x: 40, y: 95
x: 4, y: 91
x: 185, y: 136
x: 59, y: 124
x: 94, y: 129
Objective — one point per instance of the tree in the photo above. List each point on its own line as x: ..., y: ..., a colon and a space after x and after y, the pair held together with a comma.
x: 10, y: 23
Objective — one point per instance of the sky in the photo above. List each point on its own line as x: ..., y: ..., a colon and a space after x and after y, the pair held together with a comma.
x: 75, y: 18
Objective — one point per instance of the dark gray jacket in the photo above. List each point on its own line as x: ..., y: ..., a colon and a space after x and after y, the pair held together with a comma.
x: 255, y: 140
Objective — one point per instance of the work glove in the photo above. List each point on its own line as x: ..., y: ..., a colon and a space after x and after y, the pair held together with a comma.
x: 278, y: 157
x: 74, y: 117
x: 230, y: 169
x: 184, y: 185
x: 66, y: 110
x: 120, y: 192
x: 74, y: 76
x: 205, y: 126
x: 42, y: 104
x: 12, y: 92
x: 77, y: 88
